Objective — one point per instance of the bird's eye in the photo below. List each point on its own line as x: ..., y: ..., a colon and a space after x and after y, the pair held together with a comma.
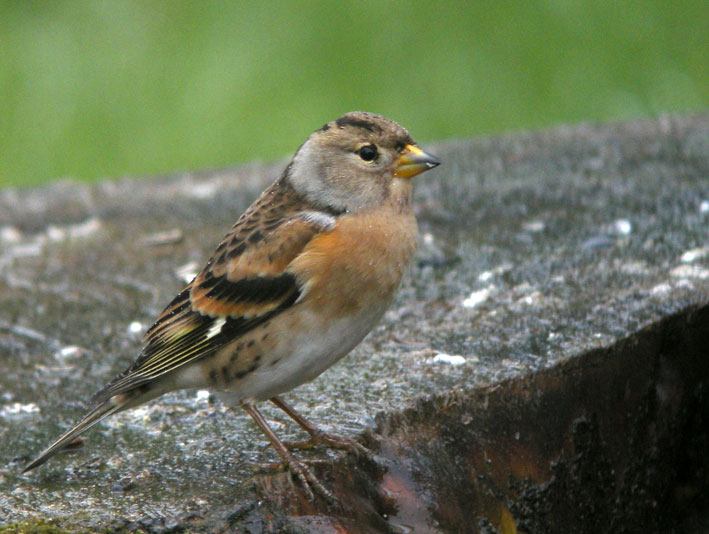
x: 368, y: 153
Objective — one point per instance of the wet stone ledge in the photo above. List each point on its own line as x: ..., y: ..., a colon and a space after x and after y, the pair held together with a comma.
x: 543, y: 369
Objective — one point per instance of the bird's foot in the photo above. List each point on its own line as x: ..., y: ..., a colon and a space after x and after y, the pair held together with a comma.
x: 297, y: 468
x: 274, y: 467
x: 309, y: 482
x: 334, y: 442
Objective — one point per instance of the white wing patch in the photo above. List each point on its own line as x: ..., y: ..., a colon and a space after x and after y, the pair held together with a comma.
x: 216, y: 327
x: 323, y: 220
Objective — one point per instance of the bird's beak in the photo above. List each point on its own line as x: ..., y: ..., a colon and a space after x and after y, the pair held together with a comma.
x: 413, y: 161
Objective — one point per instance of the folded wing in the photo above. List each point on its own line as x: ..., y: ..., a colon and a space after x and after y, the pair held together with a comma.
x: 245, y: 283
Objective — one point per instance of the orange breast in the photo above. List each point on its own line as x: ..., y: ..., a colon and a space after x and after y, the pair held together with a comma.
x: 359, y: 263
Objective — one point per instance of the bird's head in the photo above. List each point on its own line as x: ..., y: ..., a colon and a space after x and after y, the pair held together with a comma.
x: 356, y: 162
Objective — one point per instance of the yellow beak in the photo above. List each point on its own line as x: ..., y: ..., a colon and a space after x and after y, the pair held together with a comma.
x: 413, y: 161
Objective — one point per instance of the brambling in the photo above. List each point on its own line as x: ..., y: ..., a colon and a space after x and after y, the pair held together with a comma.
x: 301, y: 278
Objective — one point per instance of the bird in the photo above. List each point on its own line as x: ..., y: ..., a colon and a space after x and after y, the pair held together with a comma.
x: 300, y: 279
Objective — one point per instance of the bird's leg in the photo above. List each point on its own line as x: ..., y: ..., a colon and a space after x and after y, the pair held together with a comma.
x: 300, y: 470
x: 317, y: 436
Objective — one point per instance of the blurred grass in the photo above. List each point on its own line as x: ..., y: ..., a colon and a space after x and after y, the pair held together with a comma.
x: 104, y: 88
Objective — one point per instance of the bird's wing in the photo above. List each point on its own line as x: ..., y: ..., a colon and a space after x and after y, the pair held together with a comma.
x: 245, y: 283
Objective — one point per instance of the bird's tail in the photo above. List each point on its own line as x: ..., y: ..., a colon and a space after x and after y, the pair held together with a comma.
x: 115, y: 404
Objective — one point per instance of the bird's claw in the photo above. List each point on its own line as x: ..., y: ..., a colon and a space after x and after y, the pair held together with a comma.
x: 330, y: 441
x: 300, y: 470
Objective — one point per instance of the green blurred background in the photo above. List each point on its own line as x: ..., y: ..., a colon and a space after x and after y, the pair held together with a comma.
x: 90, y: 89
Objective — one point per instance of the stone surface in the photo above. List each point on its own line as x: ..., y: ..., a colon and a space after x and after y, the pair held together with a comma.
x: 544, y: 362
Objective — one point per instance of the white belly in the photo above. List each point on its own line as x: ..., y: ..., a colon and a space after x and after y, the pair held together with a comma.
x: 307, y: 354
